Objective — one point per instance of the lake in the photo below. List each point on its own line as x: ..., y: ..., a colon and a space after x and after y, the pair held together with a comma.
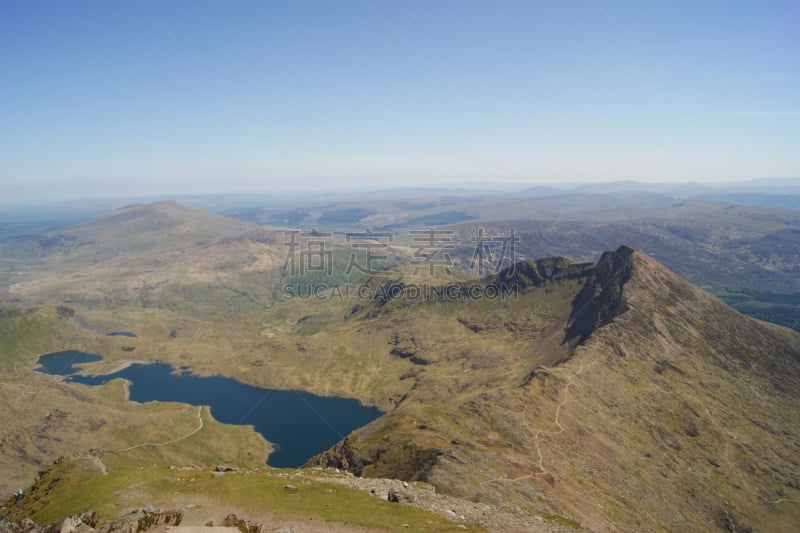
x: 298, y: 424
x: 61, y: 363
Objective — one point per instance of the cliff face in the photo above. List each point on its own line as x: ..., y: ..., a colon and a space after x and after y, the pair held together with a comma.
x: 390, y: 459
x: 537, y: 274
x: 601, y: 298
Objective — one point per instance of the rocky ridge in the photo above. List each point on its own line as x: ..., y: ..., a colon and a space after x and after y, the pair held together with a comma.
x: 665, y: 399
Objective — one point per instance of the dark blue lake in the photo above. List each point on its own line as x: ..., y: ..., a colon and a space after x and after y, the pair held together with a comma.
x: 122, y: 334
x: 61, y: 363
x: 298, y: 424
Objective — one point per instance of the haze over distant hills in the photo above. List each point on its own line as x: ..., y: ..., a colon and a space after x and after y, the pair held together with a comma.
x: 530, y: 266
x: 738, y: 240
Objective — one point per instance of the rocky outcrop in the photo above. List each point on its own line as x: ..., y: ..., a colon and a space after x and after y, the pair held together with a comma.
x: 344, y: 456
x: 244, y: 525
x: 398, y: 460
x: 601, y: 298
x: 374, y: 294
x: 539, y: 273
x: 88, y: 522
x: 402, y: 347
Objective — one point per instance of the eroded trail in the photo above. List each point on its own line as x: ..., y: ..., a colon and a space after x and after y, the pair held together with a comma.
x: 540, y: 468
x: 556, y: 419
x: 165, y: 443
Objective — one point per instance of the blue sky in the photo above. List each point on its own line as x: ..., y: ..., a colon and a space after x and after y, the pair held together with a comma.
x: 149, y: 97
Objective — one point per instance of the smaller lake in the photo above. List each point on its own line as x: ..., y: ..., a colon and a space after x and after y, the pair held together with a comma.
x: 299, y: 425
x: 61, y: 363
x: 122, y: 334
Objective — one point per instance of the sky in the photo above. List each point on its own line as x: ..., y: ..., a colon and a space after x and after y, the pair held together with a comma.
x: 113, y: 98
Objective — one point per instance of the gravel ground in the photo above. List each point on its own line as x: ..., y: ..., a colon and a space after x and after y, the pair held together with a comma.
x: 424, y: 496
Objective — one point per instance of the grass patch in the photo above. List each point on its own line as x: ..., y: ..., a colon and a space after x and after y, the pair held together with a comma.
x: 73, y: 486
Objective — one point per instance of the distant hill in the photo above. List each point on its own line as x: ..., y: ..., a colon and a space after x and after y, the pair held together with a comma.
x: 788, y: 201
x: 129, y: 230
x: 164, y: 254
x: 749, y: 256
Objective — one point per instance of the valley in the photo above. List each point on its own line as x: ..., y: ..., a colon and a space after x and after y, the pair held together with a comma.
x: 600, y: 392
x: 399, y: 266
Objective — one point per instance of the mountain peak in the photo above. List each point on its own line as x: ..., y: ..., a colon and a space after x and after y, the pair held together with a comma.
x: 631, y: 301
x: 144, y: 226
x: 167, y: 211
x: 601, y: 298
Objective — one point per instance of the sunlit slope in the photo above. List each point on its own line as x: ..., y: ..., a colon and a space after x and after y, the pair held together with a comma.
x: 664, y: 405
x: 155, y: 255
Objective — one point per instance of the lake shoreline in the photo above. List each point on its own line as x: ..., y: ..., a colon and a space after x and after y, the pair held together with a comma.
x: 297, y: 424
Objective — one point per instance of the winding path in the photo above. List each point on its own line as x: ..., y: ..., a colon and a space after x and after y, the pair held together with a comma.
x: 173, y: 441
x: 556, y: 419
x: 542, y: 471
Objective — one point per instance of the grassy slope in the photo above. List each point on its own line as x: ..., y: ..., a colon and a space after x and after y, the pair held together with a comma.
x: 259, y: 494
x: 43, y: 418
x: 498, y: 441
x: 682, y: 411
x: 325, y: 353
x: 158, y: 255
x: 675, y: 408
x: 491, y: 439
x: 58, y: 423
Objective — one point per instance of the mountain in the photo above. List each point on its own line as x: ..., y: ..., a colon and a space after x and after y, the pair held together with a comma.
x: 164, y: 254
x: 748, y: 256
x: 652, y: 405
x: 554, y: 394
x: 787, y: 201
x: 129, y: 230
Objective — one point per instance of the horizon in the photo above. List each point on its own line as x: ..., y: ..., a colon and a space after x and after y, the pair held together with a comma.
x: 146, y: 98
x: 298, y: 196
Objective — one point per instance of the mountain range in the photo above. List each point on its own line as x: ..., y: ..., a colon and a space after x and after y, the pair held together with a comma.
x: 554, y: 394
